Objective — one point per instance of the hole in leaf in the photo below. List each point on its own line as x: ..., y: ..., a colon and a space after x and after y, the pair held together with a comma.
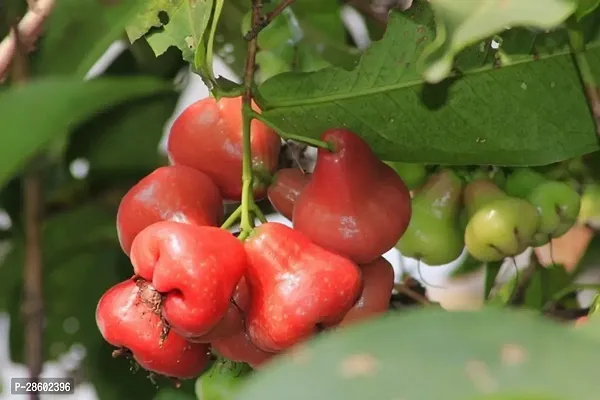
x: 163, y: 17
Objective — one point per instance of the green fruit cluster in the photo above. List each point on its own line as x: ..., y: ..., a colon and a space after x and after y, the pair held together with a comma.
x: 494, y: 213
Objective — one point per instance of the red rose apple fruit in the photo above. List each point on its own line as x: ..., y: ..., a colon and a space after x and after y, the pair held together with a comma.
x: 296, y: 287
x: 175, y: 193
x: 378, y: 283
x: 195, y: 268
x: 208, y: 137
x: 285, y: 189
x: 355, y: 204
x: 127, y: 318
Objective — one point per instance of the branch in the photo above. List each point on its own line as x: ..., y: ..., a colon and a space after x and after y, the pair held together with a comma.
x: 29, y: 30
x: 33, y: 302
x: 262, y: 22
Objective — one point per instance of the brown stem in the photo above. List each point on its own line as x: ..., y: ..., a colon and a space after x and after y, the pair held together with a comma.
x: 262, y: 22
x: 30, y: 28
x: 416, y: 296
x: 33, y: 303
x: 251, y: 55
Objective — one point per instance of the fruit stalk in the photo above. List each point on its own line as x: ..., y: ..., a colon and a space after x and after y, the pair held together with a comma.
x: 247, y: 195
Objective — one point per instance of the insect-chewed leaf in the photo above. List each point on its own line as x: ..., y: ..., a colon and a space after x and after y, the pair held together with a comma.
x: 519, y: 105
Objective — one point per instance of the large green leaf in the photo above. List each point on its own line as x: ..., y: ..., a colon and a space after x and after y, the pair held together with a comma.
x: 79, y: 32
x: 462, y: 23
x: 179, y: 23
x: 585, y: 7
x: 434, y: 354
x: 324, y: 30
x: 531, y: 112
x: 35, y: 114
x: 125, y: 139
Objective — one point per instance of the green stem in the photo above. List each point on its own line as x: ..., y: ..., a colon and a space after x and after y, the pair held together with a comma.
x: 232, y: 219
x: 290, y: 136
x: 259, y: 214
x: 247, y: 194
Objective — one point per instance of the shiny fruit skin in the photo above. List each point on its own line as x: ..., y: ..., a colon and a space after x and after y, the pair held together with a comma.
x: 285, y: 189
x: 233, y: 321
x: 413, y: 175
x: 354, y: 205
x: 295, y: 287
x: 434, y: 234
x: 124, y: 320
x: 196, y: 268
x: 207, y: 136
x: 173, y: 193
x: 378, y: 283
x: 503, y: 228
x: 239, y: 348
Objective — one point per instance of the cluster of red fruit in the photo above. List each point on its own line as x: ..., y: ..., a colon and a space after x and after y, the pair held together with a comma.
x: 198, y: 289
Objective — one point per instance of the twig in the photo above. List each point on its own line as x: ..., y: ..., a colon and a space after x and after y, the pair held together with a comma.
x: 262, y: 22
x: 33, y: 303
x: 29, y: 29
x: 418, y: 297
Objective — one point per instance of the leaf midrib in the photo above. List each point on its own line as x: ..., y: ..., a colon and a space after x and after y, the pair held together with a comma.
x: 276, y: 104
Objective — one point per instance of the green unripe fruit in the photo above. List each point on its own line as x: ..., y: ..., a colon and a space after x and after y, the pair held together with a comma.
x: 499, y: 226
x: 433, y: 234
x: 557, y: 202
x: 589, y: 212
x: 413, y: 175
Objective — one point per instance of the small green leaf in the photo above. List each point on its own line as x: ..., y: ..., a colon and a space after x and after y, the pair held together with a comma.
x: 183, y: 25
x: 585, y: 7
x: 124, y: 139
x: 58, y: 105
x: 492, y: 269
x: 435, y: 354
x: 468, y: 266
x: 78, y: 32
x: 222, y: 381
x: 534, y: 294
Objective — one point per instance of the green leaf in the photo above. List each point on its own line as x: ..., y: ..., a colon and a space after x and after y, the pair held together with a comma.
x: 492, y: 269
x: 585, y: 7
x: 324, y: 31
x: 222, y: 381
x: 174, y: 394
x: 59, y: 104
x: 463, y: 23
x: 532, y: 112
x: 78, y: 32
x: 187, y: 22
x: 491, y: 352
x: 124, y: 139
x: 534, y: 294
x: 468, y: 266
